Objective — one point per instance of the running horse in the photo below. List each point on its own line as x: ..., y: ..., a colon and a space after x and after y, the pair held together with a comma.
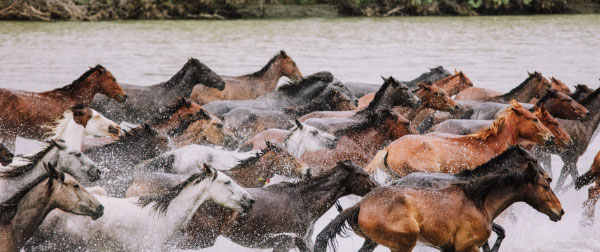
x: 250, y: 86
x: 448, y: 153
x: 456, y: 217
x: 534, y: 86
x: 589, y: 206
x: 24, y: 113
x: 146, y: 102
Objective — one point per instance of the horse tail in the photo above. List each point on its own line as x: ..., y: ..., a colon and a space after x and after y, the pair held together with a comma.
x: 585, y: 179
x: 378, y: 162
x: 338, y: 226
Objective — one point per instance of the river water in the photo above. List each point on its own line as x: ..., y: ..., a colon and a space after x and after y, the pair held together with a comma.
x: 495, y: 52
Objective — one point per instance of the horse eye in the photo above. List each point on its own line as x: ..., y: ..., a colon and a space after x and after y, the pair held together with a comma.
x: 228, y: 182
x: 535, y: 119
x: 315, y: 132
x: 78, y: 154
x: 76, y: 186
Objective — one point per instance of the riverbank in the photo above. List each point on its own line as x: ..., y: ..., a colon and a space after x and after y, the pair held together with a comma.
x: 94, y: 10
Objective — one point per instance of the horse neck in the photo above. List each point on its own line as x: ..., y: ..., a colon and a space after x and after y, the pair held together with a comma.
x: 81, y: 93
x: 268, y: 78
x: 71, y: 132
x: 593, y: 106
x: 13, y: 185
x: 31, y: 211
x: 499, y: 142
x: 249, y: 175
x: 293, y: 145
x: 376, y: 136
x: 319, y: 194
x: 182, y: 208
x: 521, y: 94
x: 500, y: 198
x: 385, y: 102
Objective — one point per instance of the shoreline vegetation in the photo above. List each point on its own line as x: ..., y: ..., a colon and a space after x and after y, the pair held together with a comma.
x: 96, y: 10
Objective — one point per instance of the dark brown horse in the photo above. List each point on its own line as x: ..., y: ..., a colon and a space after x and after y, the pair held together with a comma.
x: 250, y: 86
x: 146, y: 102
x: 25, y: 114
x: 457, y: 217
x: 283, y: 215
x: 558, y: 85
x: 360, y: 141
x: 581, y: 91
x: 581, y: 133
x: 119, y: 157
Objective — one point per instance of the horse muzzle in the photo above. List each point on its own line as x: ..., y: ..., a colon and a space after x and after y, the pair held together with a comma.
x: 121, y: 97
x: 98, y: 213
x: 247, y: 204
x: 114, y: 131
x: 557, y: 216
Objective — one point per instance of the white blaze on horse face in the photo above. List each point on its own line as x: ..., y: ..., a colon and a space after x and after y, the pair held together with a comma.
x: 308, y: 138
x: 226, y: 192
x: 99, y: 125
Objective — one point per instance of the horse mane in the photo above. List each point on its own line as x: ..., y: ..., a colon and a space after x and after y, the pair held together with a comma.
x: 494, y: 129
x: 135, y: 134
x: 497, y: 161
x: 307, y: 183
x: 179, y: 75
x: 164, y: 199
x: 293, y: 87
x: 489, y: 175
x: 524, y: 83
x: 169, y: 110
x: 8, y: 208
x: 29, y: 162
x: 379, y: 94
x: 550, y: 93
x: 84, y: 76
x: 268, y: 65
x: 372, y: 118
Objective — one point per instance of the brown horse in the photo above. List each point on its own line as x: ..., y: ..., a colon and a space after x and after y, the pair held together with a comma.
x: 360, y: 141
x: 208, y: 129
x: 534, y: 86
x: 563, y: 106
x: 581, y: 91
x: 25, y: 113
x: 589, y: 206
x: 476, y: 94
x: 455, y: 83
x: 23, y: 213
x: 448, y: 153
x: 250, y: 86
x: 558, y: 85
x: 457, y: 217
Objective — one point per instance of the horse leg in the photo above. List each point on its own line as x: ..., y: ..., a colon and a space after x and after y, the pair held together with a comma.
x: 563, y: 173
x: 284, y: 242
x: 500, y: 233
x: 368, y: 246
x: 574, y: 173
x: 545, y: 159
x: 589, y: 206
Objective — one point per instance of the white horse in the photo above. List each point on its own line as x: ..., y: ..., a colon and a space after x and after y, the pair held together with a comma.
x: 25, y: 169
x: 79, y: 122
x: 185, y: 160
x: 145, y: 223
x: 297, y: 140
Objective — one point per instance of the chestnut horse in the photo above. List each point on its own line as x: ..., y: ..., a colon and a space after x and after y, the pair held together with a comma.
x: 558, y: 85
x: 589, y: 206
x: 24, y: 113
x: 534, y: 86
x: 146, y: 102
x: 448, y: 153
x: 250, y: 86
x: 23, y: 213
x: 457, y: 217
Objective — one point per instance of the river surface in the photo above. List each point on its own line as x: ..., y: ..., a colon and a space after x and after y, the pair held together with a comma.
x: 495, y: 52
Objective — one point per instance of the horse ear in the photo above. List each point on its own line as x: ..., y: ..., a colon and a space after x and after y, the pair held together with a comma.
x: 282, y: 52
x: 455, y: 72
x: 528, y: 73
x: 461, y: 74
x: 55, y: 174
x: 384, y: 79
x: 270, y: 145
x: 299, y: 124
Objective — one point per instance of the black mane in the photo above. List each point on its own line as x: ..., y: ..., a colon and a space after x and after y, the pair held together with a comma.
x: 8, y: 208
x: 31, y: 162
x: 268, y: 65
x: 524, y: 83
x: 84, y: 76
x: 166, y: 114
x: 164, y: 199
x: 293, y: 87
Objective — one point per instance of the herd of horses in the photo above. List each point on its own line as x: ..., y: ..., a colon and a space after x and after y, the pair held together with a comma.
x: 201, y: 155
